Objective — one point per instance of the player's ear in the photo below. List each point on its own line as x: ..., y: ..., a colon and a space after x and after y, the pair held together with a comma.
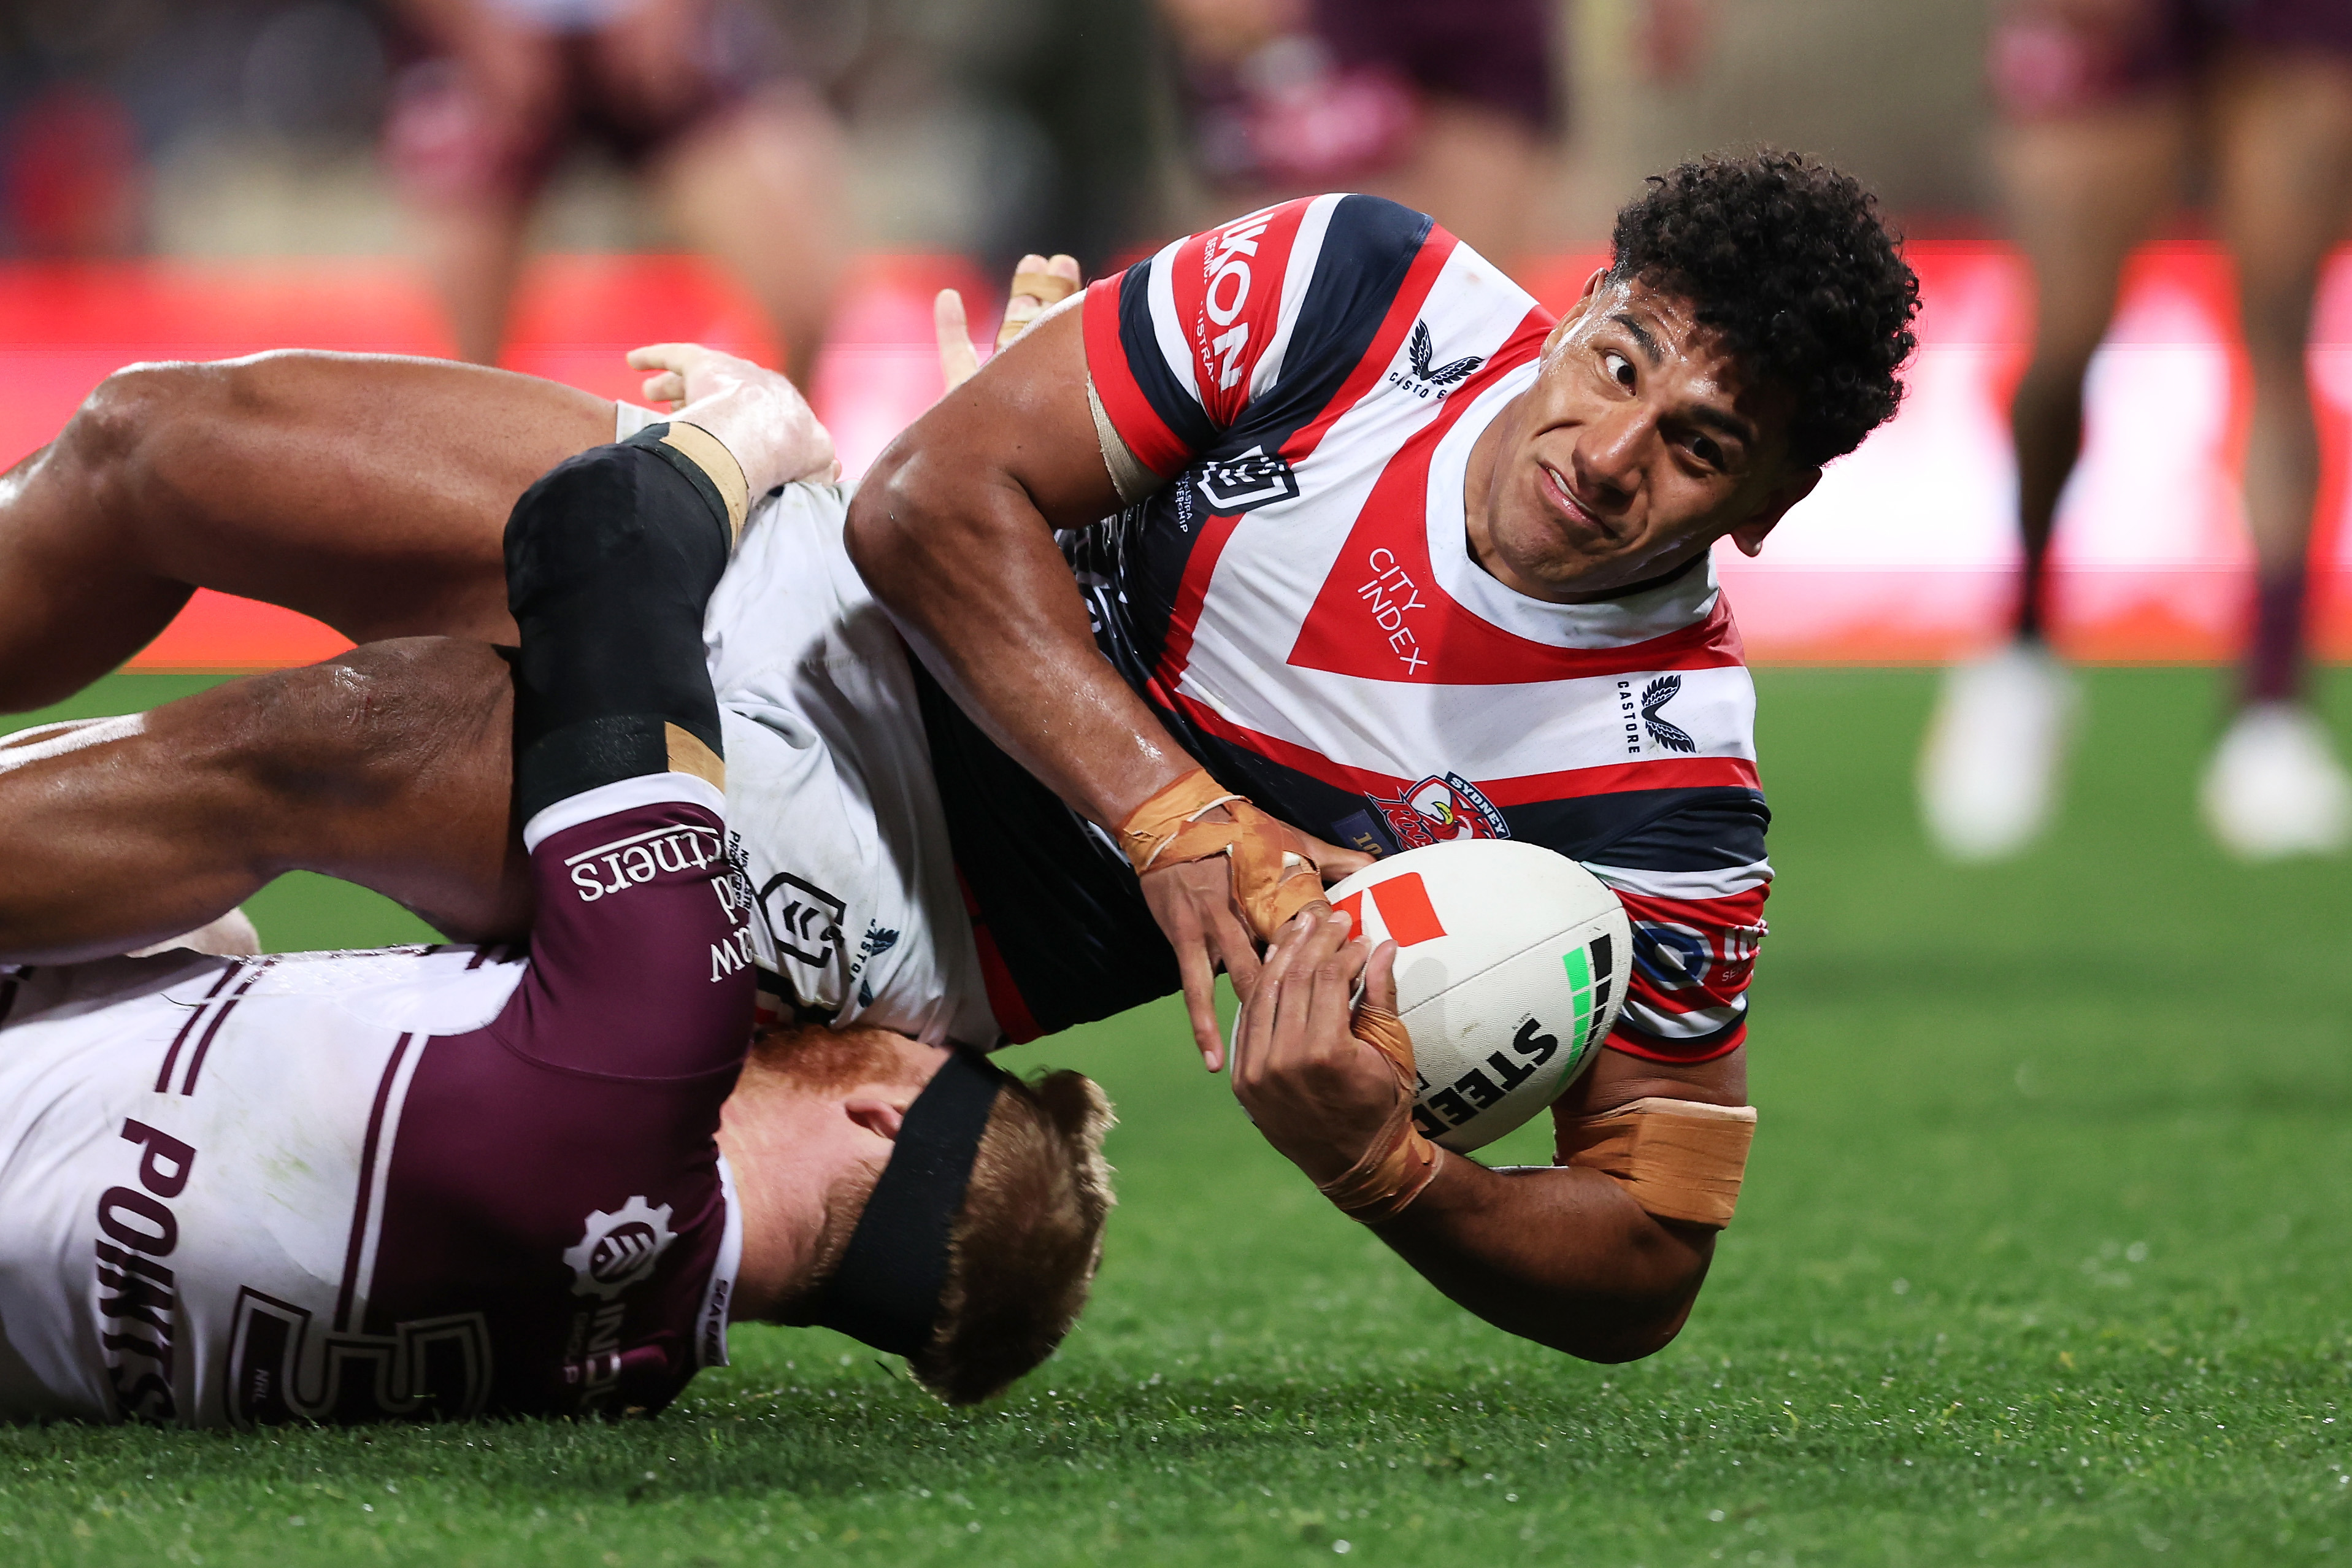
x: 881, y: 1111
x: 1749, y: 534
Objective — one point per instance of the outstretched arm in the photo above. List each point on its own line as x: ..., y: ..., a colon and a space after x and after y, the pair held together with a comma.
x: 1561, y: 1254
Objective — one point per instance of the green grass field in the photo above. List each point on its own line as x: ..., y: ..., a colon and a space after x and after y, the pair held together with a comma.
x: 2043, y: 1259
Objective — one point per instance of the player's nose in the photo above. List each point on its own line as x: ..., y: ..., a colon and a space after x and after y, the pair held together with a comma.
x: 1609, y: 450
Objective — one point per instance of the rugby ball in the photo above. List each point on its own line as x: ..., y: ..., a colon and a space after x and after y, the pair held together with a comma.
x: 1510, y: 968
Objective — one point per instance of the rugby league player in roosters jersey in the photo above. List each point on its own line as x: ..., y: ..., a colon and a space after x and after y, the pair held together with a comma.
x: 1397, y: 557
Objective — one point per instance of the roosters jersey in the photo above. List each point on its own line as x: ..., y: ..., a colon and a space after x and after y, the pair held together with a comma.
x: 1298, y: 603
x: 425, y: 1181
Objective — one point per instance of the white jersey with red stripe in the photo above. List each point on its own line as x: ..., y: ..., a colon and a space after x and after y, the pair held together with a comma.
x: 1298, y: 601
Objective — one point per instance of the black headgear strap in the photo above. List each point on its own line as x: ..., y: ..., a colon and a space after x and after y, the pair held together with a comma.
x: 887, y: 1291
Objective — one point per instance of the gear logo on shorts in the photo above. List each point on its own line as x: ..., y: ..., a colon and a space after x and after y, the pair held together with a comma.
x: 1235, y: 484
x: 616, y: 1251
x: 1440, y: 809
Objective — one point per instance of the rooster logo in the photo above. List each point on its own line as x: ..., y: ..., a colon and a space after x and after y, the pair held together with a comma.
x: 1664, y: 731
x: 1422, y: 348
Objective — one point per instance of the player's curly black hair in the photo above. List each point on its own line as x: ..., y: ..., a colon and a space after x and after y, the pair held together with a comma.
x: 1787, y: 257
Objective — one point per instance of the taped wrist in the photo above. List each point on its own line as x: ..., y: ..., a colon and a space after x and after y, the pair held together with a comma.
x: 1398, y: 1165
x: 1679, y: 1159
x: 1274, y: 872
x: 611, y: 559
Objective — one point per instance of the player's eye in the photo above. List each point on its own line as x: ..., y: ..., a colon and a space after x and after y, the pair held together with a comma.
x: 1620, y: 369
x: 1706, y: 452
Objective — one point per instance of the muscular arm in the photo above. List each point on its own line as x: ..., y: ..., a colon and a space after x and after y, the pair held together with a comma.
x: 952, y: 529
x: 1560, y: 1254
x: 1563, y: 1256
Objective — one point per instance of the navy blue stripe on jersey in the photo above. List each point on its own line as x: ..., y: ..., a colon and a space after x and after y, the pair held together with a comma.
x: 1686, y: 1048
x: 1065, y: 910
x: 1186, y: 419
x: 1651, y: 829
x: 1368, y: 248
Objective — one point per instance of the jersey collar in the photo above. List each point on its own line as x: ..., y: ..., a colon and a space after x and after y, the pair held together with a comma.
x: 710, y: 1329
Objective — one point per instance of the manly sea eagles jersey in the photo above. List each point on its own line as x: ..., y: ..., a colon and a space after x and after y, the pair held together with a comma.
x: 1298, y: 603
x: 424, y: 1182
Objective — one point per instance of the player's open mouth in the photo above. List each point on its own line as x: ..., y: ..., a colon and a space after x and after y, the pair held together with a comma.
x: 1563, y: 499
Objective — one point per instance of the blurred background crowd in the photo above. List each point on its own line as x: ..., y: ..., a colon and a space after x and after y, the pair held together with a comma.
x: 821, y: 127
x: 793, y: 140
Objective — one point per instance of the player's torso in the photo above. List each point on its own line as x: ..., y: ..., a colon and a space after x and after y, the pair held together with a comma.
x: 192, y: 1156
x: 831, y: 802
x: 1302, y: 607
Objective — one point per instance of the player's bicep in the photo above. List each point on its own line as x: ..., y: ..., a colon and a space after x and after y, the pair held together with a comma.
x: 1021, y: 423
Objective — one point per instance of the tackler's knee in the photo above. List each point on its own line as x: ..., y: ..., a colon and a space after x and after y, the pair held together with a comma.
x: 610, y: 560
x: 118, y: 438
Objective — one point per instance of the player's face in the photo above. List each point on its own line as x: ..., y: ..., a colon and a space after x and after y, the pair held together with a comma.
x: 1638, y: 447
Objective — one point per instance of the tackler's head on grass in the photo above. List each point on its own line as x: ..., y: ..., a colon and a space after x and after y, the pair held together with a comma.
x: 1749, y: 328
x: 919, y: 1199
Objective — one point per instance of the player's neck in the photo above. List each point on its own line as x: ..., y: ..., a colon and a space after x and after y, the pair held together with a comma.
x: 782, y: 1196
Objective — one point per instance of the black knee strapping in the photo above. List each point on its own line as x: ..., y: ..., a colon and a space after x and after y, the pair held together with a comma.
x: 611, y: 560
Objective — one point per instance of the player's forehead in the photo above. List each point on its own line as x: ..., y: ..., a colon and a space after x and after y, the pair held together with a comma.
x: 1663, y: 328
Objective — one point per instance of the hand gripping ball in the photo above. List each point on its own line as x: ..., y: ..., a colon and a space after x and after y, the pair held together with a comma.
x: 1511, y: 965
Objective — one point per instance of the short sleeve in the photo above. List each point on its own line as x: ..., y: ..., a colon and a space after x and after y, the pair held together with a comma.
x: 1181, y: 346
x: 1693, y: 881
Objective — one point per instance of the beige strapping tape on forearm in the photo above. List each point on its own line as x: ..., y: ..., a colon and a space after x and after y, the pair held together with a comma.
x: 1400, y: 1163
x: 709, y: 454
x: 1273, y: 870
x: 1679, y: 1159
x: 1047, y: 288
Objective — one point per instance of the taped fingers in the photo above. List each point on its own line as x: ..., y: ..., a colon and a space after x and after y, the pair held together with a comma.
x: 1038, y: 285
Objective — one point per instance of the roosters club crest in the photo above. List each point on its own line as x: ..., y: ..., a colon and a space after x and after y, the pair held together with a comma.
x: 616, y: 1251
x: 1439, y: 809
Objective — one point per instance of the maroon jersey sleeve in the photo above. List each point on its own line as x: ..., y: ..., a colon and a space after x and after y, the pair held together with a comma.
x: 554, y: 1174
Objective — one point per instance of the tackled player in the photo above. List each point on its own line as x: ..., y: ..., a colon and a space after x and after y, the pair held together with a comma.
x: 1317, y: 511
x: 437, y: 1182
